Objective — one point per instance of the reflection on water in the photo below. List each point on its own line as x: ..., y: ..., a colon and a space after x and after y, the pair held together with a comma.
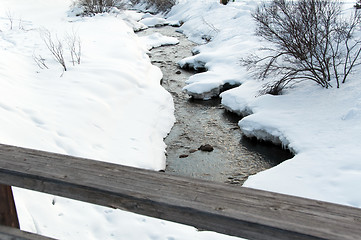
x: 266, y: 150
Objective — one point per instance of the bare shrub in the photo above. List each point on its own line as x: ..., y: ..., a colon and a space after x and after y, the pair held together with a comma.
x: 159, y: 5
x: 311, y: 40
x: 10, y: 18
x: 213, y: 30
x: 21, y: 26
x: 55, y: 47
x: 92, y: 7
x: 74, y: 45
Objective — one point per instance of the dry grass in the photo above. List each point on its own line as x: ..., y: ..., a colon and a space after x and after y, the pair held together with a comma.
x: 160, y: 5
x: 92, y: 7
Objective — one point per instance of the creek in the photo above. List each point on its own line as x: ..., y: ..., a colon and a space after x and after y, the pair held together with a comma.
x: 234, y: 158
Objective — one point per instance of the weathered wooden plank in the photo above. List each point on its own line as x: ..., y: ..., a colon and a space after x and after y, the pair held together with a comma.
x: 8, y: 215
x: 242, y: 212
x: 9, y: 233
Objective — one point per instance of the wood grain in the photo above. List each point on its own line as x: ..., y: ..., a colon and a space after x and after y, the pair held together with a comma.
x: 236, y: 211
x: 9, y: 233
x: 8, y: 215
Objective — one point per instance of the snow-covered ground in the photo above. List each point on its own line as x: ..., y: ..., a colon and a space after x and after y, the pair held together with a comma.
x: 321, y: 126
x: 103, y: 108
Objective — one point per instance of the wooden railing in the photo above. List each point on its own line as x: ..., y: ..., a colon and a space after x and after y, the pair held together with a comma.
x: 236, y: 211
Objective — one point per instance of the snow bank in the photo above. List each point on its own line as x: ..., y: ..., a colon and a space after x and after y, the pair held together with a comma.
x: 98, y: 109
x: 132, y: 18
x: 101, y: 109
x: 156, y: 40
x: 321, y: 126
x: 153, y: 21
x: 226, y: 42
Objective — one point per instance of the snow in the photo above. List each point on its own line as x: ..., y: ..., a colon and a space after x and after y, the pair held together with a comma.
x: 320, y: 126
x: 219, y: 25
x: 102, y: 97
x: 326, y: 165
x: 132, y: 18
x: 104, y: 108
x: 156, y: 40
x: 153, y: 21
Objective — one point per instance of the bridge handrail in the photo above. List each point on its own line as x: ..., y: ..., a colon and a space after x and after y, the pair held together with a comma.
x: 236, y: 211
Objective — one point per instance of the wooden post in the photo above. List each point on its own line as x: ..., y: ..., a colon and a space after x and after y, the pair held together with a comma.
x: 8, y: 215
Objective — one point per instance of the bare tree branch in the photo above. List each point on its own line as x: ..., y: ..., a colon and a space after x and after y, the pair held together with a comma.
x: 11, y: 18
x: 74, y: 45
x: 55, y: 47
x: 40, y: 61
x: 311, y: 41
x: 92, y: 7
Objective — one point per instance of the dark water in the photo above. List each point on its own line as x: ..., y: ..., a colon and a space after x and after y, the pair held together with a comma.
x: 198, y: 122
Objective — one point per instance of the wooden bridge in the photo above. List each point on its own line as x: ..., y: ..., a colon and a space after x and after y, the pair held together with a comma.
x: 241, y: 212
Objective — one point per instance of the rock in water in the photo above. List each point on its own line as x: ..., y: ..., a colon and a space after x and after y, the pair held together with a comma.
x: 206, y: 148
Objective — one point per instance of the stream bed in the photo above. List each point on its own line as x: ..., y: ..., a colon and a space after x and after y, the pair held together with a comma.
x: 233, y: 158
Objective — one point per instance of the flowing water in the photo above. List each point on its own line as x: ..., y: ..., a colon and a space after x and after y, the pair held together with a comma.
x: 198, y: 122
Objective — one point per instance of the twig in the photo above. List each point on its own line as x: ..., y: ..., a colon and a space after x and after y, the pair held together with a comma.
x: 40, y: 61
